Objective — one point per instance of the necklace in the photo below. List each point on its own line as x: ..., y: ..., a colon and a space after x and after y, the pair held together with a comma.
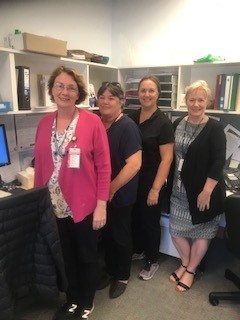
x: 59, y: 145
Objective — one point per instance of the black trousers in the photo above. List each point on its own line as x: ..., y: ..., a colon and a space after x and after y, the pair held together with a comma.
x: 146, y: 229
x: 80, y: 252
x: 117, y: 240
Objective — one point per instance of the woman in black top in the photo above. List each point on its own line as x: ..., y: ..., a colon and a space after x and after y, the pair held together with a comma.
x: 198, y: 188
x: 157, y: 147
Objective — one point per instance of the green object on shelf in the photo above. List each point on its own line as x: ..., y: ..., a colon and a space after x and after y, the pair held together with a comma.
x: 209, y: 58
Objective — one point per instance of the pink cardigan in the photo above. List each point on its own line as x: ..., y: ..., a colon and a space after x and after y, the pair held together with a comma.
x: 81, y: 187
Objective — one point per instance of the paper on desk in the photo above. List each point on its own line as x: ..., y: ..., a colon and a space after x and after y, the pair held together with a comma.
x: 233, y: 142
x: 228, y: 193
x: 236, y: 155
x: 4, y: 194
x: 234, y: 164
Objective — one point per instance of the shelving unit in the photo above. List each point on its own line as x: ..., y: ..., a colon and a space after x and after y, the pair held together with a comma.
x: 44, y: 64
x: 97, y: 73
x: 127, y: 73
x: 168, y: 99
x: 186, y: 74
x: 17, y: 121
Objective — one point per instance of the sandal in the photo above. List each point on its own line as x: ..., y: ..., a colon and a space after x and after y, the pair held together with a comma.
x: 183, y: 285
x: 174, y: 277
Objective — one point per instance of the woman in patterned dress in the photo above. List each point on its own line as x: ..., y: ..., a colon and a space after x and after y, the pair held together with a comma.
x: 198, y: 187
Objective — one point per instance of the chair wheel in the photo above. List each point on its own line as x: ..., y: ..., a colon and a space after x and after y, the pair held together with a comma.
x: 214, y: 301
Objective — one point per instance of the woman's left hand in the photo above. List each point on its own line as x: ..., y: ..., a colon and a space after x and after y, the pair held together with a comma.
x: 203, y: 200
x: 152, y: 198
x: 99, y: 215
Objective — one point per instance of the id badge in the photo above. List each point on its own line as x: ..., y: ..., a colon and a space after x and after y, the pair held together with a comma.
x: 180, y: 165
x: 74, y: 158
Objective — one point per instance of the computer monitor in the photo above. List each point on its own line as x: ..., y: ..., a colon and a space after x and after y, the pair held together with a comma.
x: 4, y: 150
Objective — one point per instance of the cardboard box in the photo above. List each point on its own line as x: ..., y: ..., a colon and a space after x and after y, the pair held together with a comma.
x: 5, y: 106
x: 40, y: 44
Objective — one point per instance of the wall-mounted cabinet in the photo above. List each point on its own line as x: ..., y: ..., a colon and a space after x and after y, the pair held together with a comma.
x: 43, y: 64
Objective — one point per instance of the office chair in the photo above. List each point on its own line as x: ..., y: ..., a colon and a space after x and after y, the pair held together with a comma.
x: 232, y: 236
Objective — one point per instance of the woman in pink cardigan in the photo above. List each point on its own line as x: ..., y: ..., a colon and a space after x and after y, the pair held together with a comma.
x: 72, y: 158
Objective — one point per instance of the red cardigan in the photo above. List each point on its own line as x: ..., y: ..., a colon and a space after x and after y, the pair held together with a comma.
x: 81, y: 187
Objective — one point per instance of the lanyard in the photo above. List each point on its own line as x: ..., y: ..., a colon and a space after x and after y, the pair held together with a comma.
x: 63, y: 138
x: 115, y: 120
x: 190, y: 139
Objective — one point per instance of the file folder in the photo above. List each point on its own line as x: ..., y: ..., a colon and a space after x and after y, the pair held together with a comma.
x: 23, y: 87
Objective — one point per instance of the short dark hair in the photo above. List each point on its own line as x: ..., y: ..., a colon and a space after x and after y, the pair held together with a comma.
x: 114, y: 88
x: 76, y: 76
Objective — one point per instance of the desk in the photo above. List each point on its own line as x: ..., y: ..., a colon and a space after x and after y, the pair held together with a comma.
x: 30, y: 252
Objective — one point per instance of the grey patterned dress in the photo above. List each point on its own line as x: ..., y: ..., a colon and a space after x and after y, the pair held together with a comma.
x: 180, y: 218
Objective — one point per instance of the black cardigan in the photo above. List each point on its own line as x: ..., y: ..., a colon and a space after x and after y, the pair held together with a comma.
x: 31, y: 260
x: 205, y: 158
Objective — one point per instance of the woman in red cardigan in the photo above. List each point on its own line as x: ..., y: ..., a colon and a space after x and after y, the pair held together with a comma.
x: 72, y: 158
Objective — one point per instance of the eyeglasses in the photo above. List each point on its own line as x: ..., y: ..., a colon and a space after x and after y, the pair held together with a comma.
x: 115, y: 84
x: 60, y: 87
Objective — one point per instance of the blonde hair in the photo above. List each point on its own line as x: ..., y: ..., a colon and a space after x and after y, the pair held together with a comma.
x: 199, y: 84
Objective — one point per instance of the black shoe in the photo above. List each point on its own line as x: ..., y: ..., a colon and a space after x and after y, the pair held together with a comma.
x: 117, y: 288
x: 104, y: 281
x: 68, y: 311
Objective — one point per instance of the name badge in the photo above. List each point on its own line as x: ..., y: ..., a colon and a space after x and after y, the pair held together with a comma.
x: 74, y: 157
x: 180, y: 165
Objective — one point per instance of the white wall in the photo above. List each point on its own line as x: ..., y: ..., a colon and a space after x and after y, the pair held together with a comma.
x: 136, y: 32
x: 84, y: 24
x: 157, y: 32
